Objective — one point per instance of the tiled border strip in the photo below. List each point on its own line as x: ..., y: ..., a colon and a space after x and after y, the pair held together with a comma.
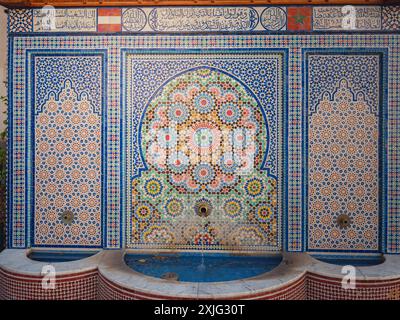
x: 328, y: 288
x: 79, y: 286
x: 255, y: 19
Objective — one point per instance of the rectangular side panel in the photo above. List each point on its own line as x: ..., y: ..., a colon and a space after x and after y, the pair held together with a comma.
x: 67, y: 92
x: 183, y: 97
x: 344, y: 154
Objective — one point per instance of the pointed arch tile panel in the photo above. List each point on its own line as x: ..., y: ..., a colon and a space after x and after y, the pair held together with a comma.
x: 153, y: 81
x: 67, y: 146
x: 344, y: 150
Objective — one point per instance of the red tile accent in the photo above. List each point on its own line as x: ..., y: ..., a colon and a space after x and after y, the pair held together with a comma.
x: 326, y: 288
x: 80, y: 286
x: 299, y: 18
x: 109, y: 11
x: 109, y: 28
x: 92, y: 285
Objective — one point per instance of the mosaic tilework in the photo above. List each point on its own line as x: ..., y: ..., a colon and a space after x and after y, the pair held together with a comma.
x: 391, y: 18
x: 20, y: 20
x: 67, y: 90
x: 204, y: 139
x: 343, y: 172
x: 325, y: 72
x: 147, y: 76
x: 327, y: 288
x: 344, y: 158
x: 67, y: 170
x: 392, y: 224
x: 78, y: 286
x: 19, y: 231
x: 84, y: 71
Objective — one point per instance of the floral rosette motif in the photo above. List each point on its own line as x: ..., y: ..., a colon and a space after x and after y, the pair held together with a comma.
x: 204, y: 139
x: 204, y: 129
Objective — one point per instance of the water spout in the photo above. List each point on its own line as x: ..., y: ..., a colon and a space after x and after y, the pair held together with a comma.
x: 202, y: 266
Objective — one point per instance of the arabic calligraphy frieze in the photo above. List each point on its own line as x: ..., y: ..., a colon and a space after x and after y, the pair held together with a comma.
x: 65, y: 20
x: 264, y: 19
x: 133, y: 19
x: 203, y: 19
x: 273, y: 18
x: 331, y: 18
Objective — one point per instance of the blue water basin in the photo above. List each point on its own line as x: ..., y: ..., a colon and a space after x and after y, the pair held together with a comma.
x: 356, y: 261
x: 193, y: 267
x: 59, y: 256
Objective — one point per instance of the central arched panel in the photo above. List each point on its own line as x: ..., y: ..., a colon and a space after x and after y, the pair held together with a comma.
x: 208, y: 174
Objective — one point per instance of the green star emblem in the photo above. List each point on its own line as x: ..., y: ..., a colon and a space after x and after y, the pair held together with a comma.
x: 299, y: 18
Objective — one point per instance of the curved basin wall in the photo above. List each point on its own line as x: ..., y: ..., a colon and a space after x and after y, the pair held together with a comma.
x: 105, y: 276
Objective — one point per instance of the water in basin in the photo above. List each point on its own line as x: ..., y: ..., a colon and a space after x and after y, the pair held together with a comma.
x: 357, y: 261
x: 192, y: 267
x: 59, y: 256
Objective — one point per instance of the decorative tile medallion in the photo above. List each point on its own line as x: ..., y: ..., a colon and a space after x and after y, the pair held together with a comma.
x: 273, y: 18
x: 391, y: 18
x: 19, y: 20
x: 133, y: 19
